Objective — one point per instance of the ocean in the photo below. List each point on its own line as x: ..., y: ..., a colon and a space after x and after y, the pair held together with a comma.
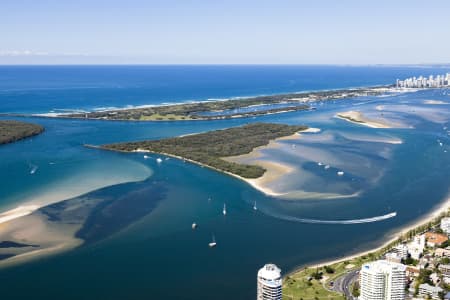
x: 157, y: 255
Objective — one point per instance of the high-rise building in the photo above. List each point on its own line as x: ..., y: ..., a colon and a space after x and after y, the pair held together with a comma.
x: 269, y: 283
x: 445, y: 225
x: 382, y: 280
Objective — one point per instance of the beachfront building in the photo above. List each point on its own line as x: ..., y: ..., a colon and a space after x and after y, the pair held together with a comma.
x: 445, y: 225
x: 401, y: 250
x: 445, y: 269
x: 269, y: 283
x: 441, y: 252
x: 416, y: 246
x: 382, y: 280
x: 435, y: 239
x: 425, y: 82
x: 426, y: 290
x: 393, y: 257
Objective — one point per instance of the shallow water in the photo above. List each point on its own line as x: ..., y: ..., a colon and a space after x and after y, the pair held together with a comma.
x: 160, y: 256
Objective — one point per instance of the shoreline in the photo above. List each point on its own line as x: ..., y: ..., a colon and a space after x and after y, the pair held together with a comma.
x: 192, y: 110
x: 253, y: 182
x: 381, y: 87
x: 392, y: 237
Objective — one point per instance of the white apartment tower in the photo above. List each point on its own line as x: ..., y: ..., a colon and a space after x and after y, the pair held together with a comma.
x: 382, y: 280
x: 445, y: 225
x: 269, y: 283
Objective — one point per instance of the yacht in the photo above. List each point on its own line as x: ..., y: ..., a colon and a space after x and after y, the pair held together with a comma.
x: 224, y: 211
x: 254, y: 206
x: 213, y: 243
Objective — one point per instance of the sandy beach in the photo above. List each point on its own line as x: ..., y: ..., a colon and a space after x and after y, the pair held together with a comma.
x: 391, y: 237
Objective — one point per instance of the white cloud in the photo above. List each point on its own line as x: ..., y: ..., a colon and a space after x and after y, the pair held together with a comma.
x: 30, y: 53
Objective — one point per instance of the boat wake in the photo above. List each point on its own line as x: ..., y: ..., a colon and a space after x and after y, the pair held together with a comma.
x: 340, y: 222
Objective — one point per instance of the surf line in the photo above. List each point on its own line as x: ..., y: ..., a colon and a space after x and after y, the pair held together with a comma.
x: 341, y: 222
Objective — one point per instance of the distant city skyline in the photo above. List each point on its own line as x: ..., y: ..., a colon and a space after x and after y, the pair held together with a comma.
x: 349, y: 32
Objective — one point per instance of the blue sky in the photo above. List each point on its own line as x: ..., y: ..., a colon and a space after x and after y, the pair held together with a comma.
x: 224, y: 32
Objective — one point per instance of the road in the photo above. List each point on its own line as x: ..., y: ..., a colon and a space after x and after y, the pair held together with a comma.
x: 342, y: 284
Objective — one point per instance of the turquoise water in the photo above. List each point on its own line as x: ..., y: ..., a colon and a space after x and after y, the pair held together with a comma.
x: 159, y: 256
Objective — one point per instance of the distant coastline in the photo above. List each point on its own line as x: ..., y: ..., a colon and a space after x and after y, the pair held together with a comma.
x: 242, y: 107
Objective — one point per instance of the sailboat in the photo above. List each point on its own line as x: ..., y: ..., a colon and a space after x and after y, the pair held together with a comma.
x: 254, y: 206
x: 224, y: 211
x: 213, y: 243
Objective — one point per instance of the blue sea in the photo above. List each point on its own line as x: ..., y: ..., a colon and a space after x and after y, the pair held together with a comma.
x: 158, y: 255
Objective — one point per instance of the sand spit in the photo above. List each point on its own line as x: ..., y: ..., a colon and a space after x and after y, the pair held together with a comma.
x: 358, y: 118
x: 72, y: 187
x: 435, y: 102
x: 47, y: 236
x: 311, y: 130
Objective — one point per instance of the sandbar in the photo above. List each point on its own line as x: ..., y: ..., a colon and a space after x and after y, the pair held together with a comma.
x: 358, y: 118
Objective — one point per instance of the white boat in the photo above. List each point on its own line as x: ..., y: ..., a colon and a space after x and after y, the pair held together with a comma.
x: 145, y: 156
x: 319, y: 163
x: 159, y: 160
x: 224, y: 211
x: 194, y: 225
x: 33, y: 169
x: 327, y: 167
x: 254, y: 206
x: 340, y: 173
x: 213, y: 243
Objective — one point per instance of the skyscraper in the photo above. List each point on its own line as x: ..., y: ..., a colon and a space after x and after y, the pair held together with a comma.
x: 269, y: 283
x: 383, y: 280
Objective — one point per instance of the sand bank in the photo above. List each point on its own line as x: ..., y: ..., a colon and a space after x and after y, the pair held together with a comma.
x: 435, y: 102
x: 74, y: 186
x: 17, y: 212
x: 358, y: 118
x: 36, y: 229
x: 311, y: 130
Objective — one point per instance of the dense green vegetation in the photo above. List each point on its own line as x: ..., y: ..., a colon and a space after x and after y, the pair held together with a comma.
x: 193, y: 111
x: 11, y: 131
x: 209, y: 148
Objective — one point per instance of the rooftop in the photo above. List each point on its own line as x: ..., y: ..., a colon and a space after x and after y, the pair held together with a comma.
x: 270, y: 272
x: 436, y: 238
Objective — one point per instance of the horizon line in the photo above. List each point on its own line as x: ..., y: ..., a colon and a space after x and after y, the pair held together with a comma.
x: 228, y: 64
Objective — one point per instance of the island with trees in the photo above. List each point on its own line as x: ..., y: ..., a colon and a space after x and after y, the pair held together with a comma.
x: 12, y: 131
x: 226, y: 109
x: 211, y: 147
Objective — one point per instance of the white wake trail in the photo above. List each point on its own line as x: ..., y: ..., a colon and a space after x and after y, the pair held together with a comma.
x: 340, y: 222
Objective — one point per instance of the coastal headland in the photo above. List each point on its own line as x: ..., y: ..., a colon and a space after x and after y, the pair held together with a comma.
x: 225, y: 109
x: 12, y: 131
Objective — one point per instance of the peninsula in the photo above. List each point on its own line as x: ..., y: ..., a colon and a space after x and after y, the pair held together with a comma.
x: 12, y: 131
x: 211, y: 147
x: 226, y: 109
